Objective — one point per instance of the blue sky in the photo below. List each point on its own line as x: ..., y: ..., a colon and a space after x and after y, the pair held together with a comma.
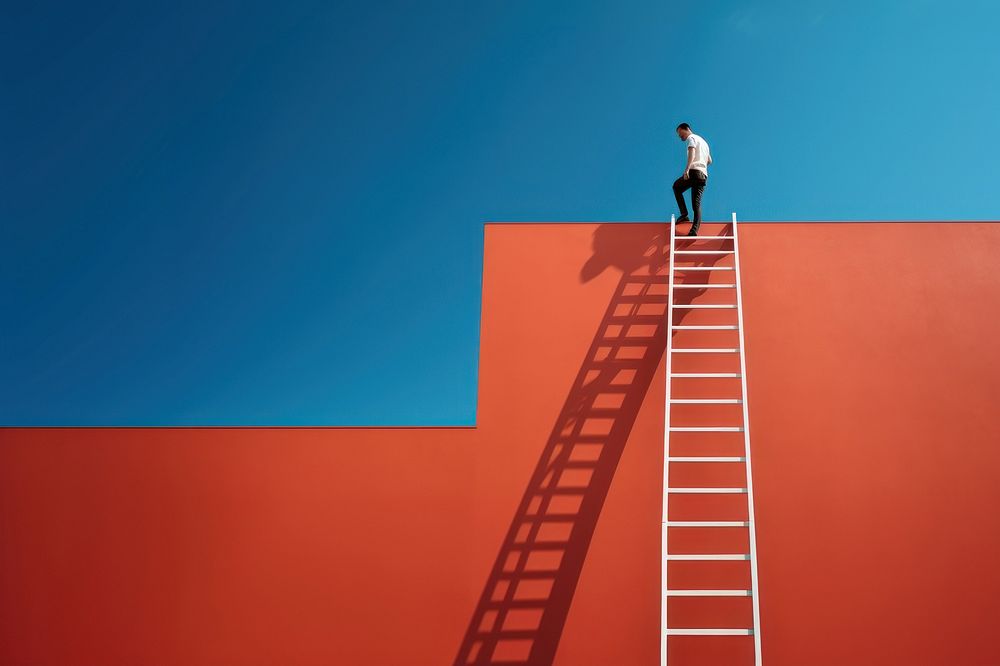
x: 227, y: 213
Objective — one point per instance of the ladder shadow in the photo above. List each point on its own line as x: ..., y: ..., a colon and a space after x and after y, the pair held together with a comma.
x: 523, y: 608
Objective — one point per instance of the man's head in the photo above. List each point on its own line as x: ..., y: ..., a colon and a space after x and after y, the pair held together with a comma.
x: 683, y: 131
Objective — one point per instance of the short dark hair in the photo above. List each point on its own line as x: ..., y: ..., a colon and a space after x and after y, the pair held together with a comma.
x: 684, y: 126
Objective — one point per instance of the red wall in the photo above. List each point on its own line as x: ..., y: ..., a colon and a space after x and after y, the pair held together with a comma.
x: 873, y: 370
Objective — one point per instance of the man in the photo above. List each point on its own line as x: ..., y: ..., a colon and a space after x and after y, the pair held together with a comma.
x: 695, y: 175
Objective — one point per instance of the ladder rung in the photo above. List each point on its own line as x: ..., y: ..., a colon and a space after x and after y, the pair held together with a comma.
x: 709, y: 593
x: 708, y: 523
x: 704, y: 374
x: 714, y: 327
x: 707, y: 557
x: 706, y: 459
x: 707, y: 350
x: 707, y: 491
x: 704, y: 286
x: 704, y: 307
x: 698, y: 238
x: 706, y: 401
x: 706, y: 429
x: 704, y: 252
x: 709, y: 632
x: 703, y: 268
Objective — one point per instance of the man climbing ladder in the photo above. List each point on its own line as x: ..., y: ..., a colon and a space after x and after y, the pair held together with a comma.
x: 695, y: 175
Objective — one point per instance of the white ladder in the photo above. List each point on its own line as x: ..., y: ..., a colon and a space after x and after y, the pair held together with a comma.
x: 692, y: 354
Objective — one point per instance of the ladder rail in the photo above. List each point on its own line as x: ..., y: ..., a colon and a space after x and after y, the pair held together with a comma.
x: 754, y: 585
x: 666, y: 453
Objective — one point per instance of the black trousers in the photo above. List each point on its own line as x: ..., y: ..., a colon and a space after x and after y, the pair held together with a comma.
x: 696, y: 182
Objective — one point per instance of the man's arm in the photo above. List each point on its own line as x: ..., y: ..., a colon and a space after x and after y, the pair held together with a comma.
x: 687, y: 167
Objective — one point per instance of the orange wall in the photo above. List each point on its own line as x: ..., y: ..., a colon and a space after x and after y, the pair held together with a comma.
x: 873, y: 368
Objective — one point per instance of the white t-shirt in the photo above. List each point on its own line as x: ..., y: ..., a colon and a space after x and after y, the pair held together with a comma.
x: 701, y: 152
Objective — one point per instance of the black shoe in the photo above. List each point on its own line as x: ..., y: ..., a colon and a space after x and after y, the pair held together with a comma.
x: 692, y: 232
x: 682, y: 218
